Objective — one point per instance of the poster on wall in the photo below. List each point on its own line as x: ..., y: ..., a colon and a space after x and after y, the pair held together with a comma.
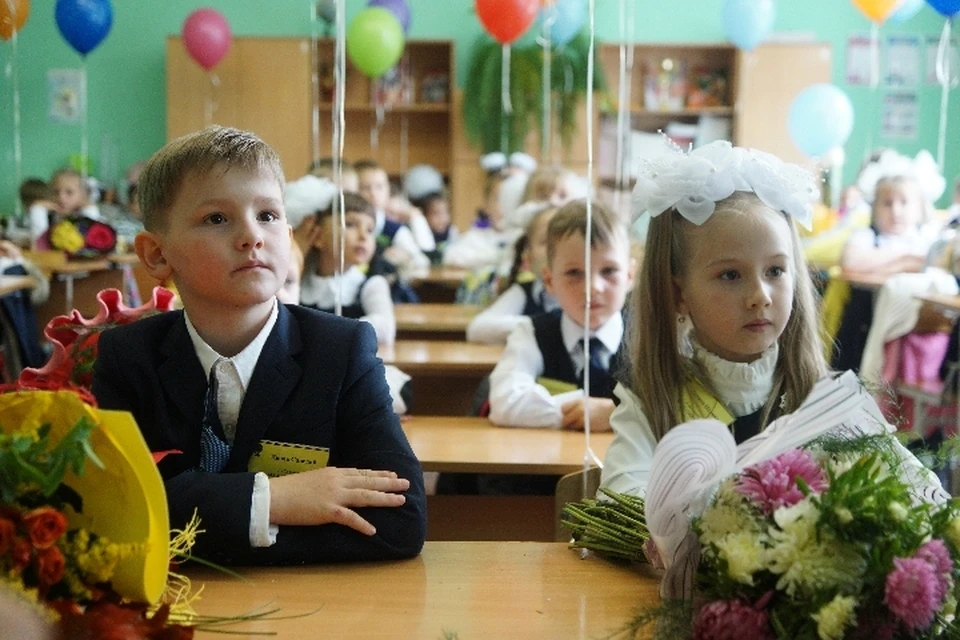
x: 858, y: 60
x: 900, y: 118
x: 65, y: 95
x: 903, y: 61
x: 933, y: 45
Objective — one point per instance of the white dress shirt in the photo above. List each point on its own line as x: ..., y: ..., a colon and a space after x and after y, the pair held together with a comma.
x: 403, y: 239
x: 478, y: 248
x: 494, y: 324
x: 516, y: 400
x: 742, y: 388
x: 233, y: 377
x: 353, y: 284
x: 421, y: 231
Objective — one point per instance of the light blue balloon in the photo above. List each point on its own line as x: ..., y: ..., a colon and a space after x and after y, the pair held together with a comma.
x: 568, y: 19
x: 907, y: 10
x: 747, y: 22
x: 820, y: 118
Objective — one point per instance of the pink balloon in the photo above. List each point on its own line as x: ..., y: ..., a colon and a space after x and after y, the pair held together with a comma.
x: 206, y: 35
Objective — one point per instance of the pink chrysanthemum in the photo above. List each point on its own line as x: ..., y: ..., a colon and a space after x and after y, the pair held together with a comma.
x: 773, y: 484
x: 732, y: 620
x: 936, y: 554
x: 913, y: 592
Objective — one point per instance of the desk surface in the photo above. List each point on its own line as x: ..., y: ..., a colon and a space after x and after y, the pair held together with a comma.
x: 441, y: 356
x: 864, y: 279
x: 447, y: 276
x: 472, y: 589
x: 9, y: 284
x: 476, y: 445
x: 434, y: 316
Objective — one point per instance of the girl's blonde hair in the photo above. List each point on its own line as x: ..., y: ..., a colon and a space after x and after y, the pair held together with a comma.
x: 542, y: 183
x: 660, y: 372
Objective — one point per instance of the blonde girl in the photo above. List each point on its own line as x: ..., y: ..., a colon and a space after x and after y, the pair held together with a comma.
x: 723, y: 318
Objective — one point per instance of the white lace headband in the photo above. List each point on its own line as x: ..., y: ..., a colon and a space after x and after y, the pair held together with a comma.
x: 304, y: 197
x: 693, y: 183
x: 923, y: 169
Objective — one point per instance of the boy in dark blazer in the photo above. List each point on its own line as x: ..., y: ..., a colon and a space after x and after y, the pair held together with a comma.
x: 237, y: 378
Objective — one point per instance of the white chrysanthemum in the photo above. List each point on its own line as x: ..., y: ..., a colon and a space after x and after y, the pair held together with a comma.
x: 744, y: 553
x: 834, y: 617
x: 804, y: 562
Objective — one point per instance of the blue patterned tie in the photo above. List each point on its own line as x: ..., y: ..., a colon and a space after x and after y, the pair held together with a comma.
x: 214, y: 450
x: 600, y: 382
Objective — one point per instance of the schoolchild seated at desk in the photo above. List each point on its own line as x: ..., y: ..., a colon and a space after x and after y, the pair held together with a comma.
x: 282, y: 379
x: 550, y: 346
x: 310, y: 202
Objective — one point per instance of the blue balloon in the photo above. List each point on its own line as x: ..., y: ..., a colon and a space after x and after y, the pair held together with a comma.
x: 568, y: 19
x: 747, y: 22
x: 949, y: 8
x: 907, y: 10
x: 84, y: 23
x: 820, y: 118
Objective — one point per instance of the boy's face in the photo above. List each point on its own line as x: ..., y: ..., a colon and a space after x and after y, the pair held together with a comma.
x: 610, y: 276
x: 438, y: 215
x: 898, y: 207
x: 226, y: 243
x: 68, y: 193
x: 359, y: 241
x: 375, y: 187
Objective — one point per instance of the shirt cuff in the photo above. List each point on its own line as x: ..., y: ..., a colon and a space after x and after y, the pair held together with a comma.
x: 262, y: 533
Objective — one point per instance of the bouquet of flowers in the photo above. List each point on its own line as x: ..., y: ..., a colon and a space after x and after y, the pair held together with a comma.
x: 827, y: 542
x: 83, y: 237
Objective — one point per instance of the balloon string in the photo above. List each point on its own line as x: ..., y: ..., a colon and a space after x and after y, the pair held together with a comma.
x: 545, y: 42
x: 623, y: 99
x: 213, y: 98
x: 339, y: 128
x: 507, y: 107
x: 404, y: 142
x: 83, y: 120
x: 874, y: 83
x: 589, y: 457
x: 17, y: 149
x: 944, y: 78
x: 315, y: 84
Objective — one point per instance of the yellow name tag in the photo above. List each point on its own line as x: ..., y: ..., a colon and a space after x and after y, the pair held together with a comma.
x: 556, y: 387
x: 283, y: 458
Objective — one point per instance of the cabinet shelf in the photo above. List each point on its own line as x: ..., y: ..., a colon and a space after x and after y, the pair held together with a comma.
x: 418, y: 107
x: 675, y: 113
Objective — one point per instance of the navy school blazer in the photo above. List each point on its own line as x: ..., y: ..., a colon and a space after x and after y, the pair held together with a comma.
x: 318, y: 382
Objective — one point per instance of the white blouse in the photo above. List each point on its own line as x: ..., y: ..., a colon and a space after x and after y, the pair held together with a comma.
x: 351, y: 285
x: 494, y: 324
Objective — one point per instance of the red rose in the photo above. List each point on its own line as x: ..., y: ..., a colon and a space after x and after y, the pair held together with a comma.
x: 44, y: 526
x: 101, y: 237
x: 8, y: 532
x: 22, y: 553
x: 50, y: 566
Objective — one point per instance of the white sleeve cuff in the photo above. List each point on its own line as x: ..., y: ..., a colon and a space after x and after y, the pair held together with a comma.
x: 262, y: 533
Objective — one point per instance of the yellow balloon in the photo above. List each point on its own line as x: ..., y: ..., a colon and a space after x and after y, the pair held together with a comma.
x: 13, y: 15
x: 877, y: 10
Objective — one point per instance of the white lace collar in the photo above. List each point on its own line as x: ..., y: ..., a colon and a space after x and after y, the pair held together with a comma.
x: 743, y: 387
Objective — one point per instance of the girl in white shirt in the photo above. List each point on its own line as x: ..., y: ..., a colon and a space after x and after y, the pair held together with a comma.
x: 494, y: 324
x: 723, y: 317
x: 360, y: 296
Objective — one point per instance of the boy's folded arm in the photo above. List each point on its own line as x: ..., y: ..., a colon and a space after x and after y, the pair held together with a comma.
x: 516, y: 400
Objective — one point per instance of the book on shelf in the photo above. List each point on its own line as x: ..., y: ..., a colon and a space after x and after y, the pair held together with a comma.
x: 435, y: 88
x: 396, y: 86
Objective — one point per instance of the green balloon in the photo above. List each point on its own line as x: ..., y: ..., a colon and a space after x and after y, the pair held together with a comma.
x: 374, y: 41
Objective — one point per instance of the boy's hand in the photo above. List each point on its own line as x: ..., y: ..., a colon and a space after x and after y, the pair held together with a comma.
x: 10, y: 250
x: 323, y: 496
x: 599, y: 408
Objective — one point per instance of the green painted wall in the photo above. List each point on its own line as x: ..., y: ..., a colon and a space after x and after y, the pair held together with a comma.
x: 126, y: 73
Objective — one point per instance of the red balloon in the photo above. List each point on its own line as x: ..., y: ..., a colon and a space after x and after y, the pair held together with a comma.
x: 506, y: 20
x: 206, y: 35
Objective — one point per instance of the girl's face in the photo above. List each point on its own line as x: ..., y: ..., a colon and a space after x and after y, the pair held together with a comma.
x: 375, y: 187
x: 290, y: 291
x: 68, y: 193
x: 739, y: 280
x: 359, y: 241
x: 536, y: 257
x: 438, y: 215
x: 897, y: 207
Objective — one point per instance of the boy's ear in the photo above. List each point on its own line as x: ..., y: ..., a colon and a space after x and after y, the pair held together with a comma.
x: 149, y: 248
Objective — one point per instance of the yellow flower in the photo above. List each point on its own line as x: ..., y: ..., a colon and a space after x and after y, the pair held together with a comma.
x: 953, y: 532
x: 744, y: 553
x: 834, y: 617
x: 65, y: 237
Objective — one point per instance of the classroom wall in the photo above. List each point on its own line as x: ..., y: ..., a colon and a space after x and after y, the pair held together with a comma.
x: 126, y: 72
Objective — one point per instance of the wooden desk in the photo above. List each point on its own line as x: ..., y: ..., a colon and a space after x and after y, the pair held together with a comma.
x: 475, y: 445
x: 74, y: 284
x: 864, y: 279
x: 434, y: 321
x: 445, y: 373
x: 439, y: 284
x: 471, y: 589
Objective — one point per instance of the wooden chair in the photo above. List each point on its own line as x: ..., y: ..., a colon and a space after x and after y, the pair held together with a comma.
x: 570, y: 488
